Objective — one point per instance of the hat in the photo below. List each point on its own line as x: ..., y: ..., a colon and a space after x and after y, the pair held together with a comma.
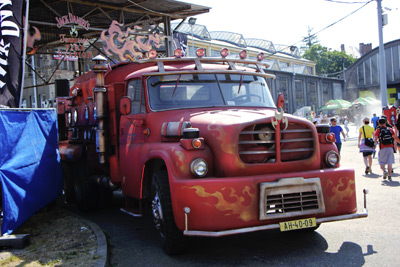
x: 382, y: 119
x: 366, y: 119
x: 333, y: 119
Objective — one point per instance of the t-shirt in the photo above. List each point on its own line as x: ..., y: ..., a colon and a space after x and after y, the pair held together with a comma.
x: 374, y: 120
x: 337, y: 130
x: 378, y: 132
x: 369, y: 131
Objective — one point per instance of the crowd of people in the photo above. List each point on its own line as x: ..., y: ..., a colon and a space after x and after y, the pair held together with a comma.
x: 375, y: 135
x: 380, y: 135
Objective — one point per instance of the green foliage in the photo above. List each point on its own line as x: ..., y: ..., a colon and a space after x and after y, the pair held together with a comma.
x: 328, y: 62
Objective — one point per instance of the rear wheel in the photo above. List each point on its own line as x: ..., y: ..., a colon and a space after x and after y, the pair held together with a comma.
x: 68, y: 182
x: 85, y: 189
x: 173, y: 241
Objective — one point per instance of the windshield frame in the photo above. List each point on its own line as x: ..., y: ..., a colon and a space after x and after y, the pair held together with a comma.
x: 240, y: 81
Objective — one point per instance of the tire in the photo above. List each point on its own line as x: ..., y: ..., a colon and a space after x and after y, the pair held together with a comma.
x: 173, y: 240
x: 68, y: 182
x: 85, y: 190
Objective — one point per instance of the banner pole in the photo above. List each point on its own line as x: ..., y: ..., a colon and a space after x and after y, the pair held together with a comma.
x: 24, y: 53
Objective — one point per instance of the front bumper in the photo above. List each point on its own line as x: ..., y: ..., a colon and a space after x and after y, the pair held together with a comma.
x: 226, y: 206
x: 269, y: 226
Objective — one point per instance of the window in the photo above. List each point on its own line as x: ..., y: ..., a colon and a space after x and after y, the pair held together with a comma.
x: 207, y: 90
x: 136, y: 95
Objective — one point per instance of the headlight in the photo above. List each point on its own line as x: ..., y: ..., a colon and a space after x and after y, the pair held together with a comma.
x: 199, y: 167
x: 332, y: 158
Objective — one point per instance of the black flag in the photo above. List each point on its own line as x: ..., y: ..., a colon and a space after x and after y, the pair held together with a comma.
x: 11, y: 51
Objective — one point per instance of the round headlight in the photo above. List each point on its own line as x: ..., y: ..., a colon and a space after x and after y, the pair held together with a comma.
x: 332, y: 158
x: 199, y: 167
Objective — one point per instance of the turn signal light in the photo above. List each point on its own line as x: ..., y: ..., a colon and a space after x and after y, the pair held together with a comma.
x: 330, y: 137
x: 196, y: 143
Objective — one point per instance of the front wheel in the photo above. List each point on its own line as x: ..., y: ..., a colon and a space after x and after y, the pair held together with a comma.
x: 173, y: 241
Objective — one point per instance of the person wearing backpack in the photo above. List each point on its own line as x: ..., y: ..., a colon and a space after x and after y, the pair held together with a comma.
x: 366, y: 144
x: 386, y: 137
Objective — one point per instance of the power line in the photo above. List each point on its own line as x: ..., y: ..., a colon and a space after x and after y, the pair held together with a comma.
x: 330, y: 25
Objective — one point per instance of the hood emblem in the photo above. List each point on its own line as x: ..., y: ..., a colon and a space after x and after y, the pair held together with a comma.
x: 278, y: 119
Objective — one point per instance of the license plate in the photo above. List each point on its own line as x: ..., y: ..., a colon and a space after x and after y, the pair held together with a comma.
x: 298, y: 224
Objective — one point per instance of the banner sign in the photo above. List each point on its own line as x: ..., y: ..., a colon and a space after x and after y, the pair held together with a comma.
x: 11, y: 51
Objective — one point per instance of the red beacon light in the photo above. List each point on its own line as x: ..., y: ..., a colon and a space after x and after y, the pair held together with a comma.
x: 152, y: 53
x: 243, y: 54
x: 200, y: 52
x: 260, y: 56
x: 178, y: 53
x: 224, y: 52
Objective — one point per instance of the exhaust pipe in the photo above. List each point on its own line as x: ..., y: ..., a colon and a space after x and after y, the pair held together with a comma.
x: 100, y: 100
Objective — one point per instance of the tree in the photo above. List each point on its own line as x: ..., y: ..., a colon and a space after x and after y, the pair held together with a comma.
x: 310, y: 40
x: 328, y: 62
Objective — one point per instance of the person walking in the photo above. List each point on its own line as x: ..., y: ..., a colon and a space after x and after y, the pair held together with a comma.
x: 337, y: 130
x: 346, y: 125
x: 366, y: 144
x: 385, y: 135
x: 374, y: 120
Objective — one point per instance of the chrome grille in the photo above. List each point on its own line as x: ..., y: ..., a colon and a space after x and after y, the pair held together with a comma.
x: 291, y: 202
x: 257, y: 143
x: 290, y: 197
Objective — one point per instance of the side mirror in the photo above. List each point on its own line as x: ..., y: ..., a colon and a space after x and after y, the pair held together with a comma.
x: 281, y: 102
x: 125, y: 105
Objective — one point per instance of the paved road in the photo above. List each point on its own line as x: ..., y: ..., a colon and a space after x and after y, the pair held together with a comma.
x: 373, y: 241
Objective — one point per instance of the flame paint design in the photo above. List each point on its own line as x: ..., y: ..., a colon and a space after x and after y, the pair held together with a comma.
x: 219, y: 134
x: 128, y: 44
x: 180, y: 161
x: 31, y: 39
x: 341, y: 193
x: 242, y: 205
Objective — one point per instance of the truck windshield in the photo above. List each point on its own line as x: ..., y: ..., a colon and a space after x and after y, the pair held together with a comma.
x: 207, y: 90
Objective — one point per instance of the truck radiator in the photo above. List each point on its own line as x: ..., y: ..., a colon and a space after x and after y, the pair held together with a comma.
x: 257, y: 143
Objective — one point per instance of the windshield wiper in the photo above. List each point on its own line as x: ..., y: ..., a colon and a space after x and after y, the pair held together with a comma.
x: 176, y: 85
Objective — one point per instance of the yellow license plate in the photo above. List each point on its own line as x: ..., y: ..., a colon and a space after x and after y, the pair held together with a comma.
x: 298, y: 224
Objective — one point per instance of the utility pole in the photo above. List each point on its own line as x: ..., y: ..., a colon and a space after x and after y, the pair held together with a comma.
x: 382, y: 59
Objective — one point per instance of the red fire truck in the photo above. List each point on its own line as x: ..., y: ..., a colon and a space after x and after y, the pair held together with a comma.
x: 200, y: 145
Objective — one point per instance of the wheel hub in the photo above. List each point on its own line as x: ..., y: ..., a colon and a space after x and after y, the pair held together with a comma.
x: 157, y: 211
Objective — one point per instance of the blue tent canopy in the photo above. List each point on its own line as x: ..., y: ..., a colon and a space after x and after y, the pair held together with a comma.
x: 30, y: 169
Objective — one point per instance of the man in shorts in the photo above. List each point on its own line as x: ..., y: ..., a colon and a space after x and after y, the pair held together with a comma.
x: 386, y: 150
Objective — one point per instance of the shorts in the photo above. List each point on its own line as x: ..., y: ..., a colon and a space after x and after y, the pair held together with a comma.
x: 366, y: 154
x: 386, y: 156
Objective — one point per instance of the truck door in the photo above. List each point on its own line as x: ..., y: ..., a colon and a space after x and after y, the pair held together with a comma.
x: 131, y: 139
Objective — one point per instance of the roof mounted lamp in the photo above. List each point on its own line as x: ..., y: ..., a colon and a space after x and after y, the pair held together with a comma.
x: 200, y: 52
x: 178, y: 53
x: 260, y: 56
x: 243, y: 54
x: 152, y: 53
x: 224, y: 52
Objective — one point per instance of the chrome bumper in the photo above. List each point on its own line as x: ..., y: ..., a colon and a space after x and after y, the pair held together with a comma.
x: 272, y: 226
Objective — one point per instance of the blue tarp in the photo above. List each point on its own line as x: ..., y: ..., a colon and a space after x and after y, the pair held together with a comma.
x: 30, y: 168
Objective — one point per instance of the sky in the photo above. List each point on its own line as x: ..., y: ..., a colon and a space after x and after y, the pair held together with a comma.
x: 287, y: 21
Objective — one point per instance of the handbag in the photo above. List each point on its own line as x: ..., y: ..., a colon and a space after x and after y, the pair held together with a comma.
x: 368, y: 141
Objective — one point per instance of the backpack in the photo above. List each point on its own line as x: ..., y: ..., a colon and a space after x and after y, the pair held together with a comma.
x: 385, y: 136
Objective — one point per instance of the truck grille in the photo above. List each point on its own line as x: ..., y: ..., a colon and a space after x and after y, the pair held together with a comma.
x: 257, y: 143
x: 290, y: 197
